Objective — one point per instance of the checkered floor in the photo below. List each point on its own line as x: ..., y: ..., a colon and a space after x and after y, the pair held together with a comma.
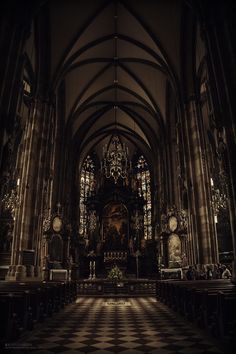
x: 127, y: 326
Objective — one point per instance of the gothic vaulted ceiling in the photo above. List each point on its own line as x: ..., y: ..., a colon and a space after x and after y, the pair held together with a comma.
x: 115, y: 59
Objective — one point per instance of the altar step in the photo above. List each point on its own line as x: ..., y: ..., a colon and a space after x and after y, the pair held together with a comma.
x: 121, y: 289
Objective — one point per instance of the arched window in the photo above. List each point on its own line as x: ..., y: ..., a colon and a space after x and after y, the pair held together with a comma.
x: 87, y: 181
x: 144, y: 189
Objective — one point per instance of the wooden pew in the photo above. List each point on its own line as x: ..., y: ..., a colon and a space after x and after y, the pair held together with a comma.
x: 225, y: 314
x: 17, y: 318
x: 6, y: 323
x: 201, y: 303
x: 196, y: 300
x: 23, y: 304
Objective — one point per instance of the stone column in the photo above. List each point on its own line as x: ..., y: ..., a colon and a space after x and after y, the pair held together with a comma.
x: 33, y: 169
x: 231, y: 188
x: 203, y: 236
x: 14, y: 31
x: 218, y: 31
x: 43, y: 180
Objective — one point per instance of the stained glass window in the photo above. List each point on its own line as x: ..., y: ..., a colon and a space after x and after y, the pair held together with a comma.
x: 87, y: 181
x: 144, y: 189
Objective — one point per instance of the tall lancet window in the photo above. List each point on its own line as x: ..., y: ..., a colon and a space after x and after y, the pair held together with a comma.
x: 87, y: 182
x: 144, y: 189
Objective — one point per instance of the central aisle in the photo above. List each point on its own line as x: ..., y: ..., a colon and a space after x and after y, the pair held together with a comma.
x: 128, y: 326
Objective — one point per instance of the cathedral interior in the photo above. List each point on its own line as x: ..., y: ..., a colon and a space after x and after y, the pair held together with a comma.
x: 118, y: 181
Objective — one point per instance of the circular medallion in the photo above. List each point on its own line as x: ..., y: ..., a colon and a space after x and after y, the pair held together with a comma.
x: 173, y: 223
x: 57, y: 224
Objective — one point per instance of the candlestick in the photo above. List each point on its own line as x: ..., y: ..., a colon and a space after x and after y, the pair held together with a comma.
x: 94, y: 267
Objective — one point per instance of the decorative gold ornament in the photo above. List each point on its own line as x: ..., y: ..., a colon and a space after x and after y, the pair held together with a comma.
x: 219, y: 200
x: 57, y: 224
x: 11, y: 201
x: 173, y: 223
x: 46, y: 221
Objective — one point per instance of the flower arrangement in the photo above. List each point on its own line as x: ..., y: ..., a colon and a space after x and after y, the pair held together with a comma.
x: 115, y: 274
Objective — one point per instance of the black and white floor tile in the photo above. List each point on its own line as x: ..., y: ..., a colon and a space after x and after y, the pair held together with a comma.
x: 107, y: 326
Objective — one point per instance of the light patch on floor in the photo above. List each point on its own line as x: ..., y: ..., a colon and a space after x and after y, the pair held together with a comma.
x: 116, y: 303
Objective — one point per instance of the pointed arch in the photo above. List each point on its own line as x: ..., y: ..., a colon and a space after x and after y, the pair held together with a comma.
x: 87, y: 180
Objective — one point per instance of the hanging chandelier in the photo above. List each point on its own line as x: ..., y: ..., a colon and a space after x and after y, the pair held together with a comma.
x: 115, y: 161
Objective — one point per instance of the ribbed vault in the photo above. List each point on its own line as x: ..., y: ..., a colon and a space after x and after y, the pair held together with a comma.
x: 115, y: 71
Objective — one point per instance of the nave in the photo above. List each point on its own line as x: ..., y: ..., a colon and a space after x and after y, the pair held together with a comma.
x: 117, y: 175
x: 117, y: 325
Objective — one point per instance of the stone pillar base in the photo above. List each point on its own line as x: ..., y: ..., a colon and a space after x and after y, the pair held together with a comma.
x: 45, y: 274
x: 20, y: 273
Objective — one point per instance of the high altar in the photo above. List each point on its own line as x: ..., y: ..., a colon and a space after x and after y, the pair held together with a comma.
x: 115, y: 234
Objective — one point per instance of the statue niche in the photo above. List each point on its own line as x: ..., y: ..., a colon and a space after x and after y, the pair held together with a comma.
x: 56, y: 249
x: 115, y: 227
x: 174, y: 251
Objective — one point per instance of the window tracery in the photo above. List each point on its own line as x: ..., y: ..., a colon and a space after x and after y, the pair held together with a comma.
x: 144, y: 190
x: 87, y: 182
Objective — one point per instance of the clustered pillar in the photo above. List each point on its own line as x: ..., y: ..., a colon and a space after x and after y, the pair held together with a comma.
x: 201, y: 233
x: 34, y: 169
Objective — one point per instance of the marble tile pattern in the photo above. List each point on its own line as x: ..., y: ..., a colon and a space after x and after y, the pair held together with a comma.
x: 117, y: 325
